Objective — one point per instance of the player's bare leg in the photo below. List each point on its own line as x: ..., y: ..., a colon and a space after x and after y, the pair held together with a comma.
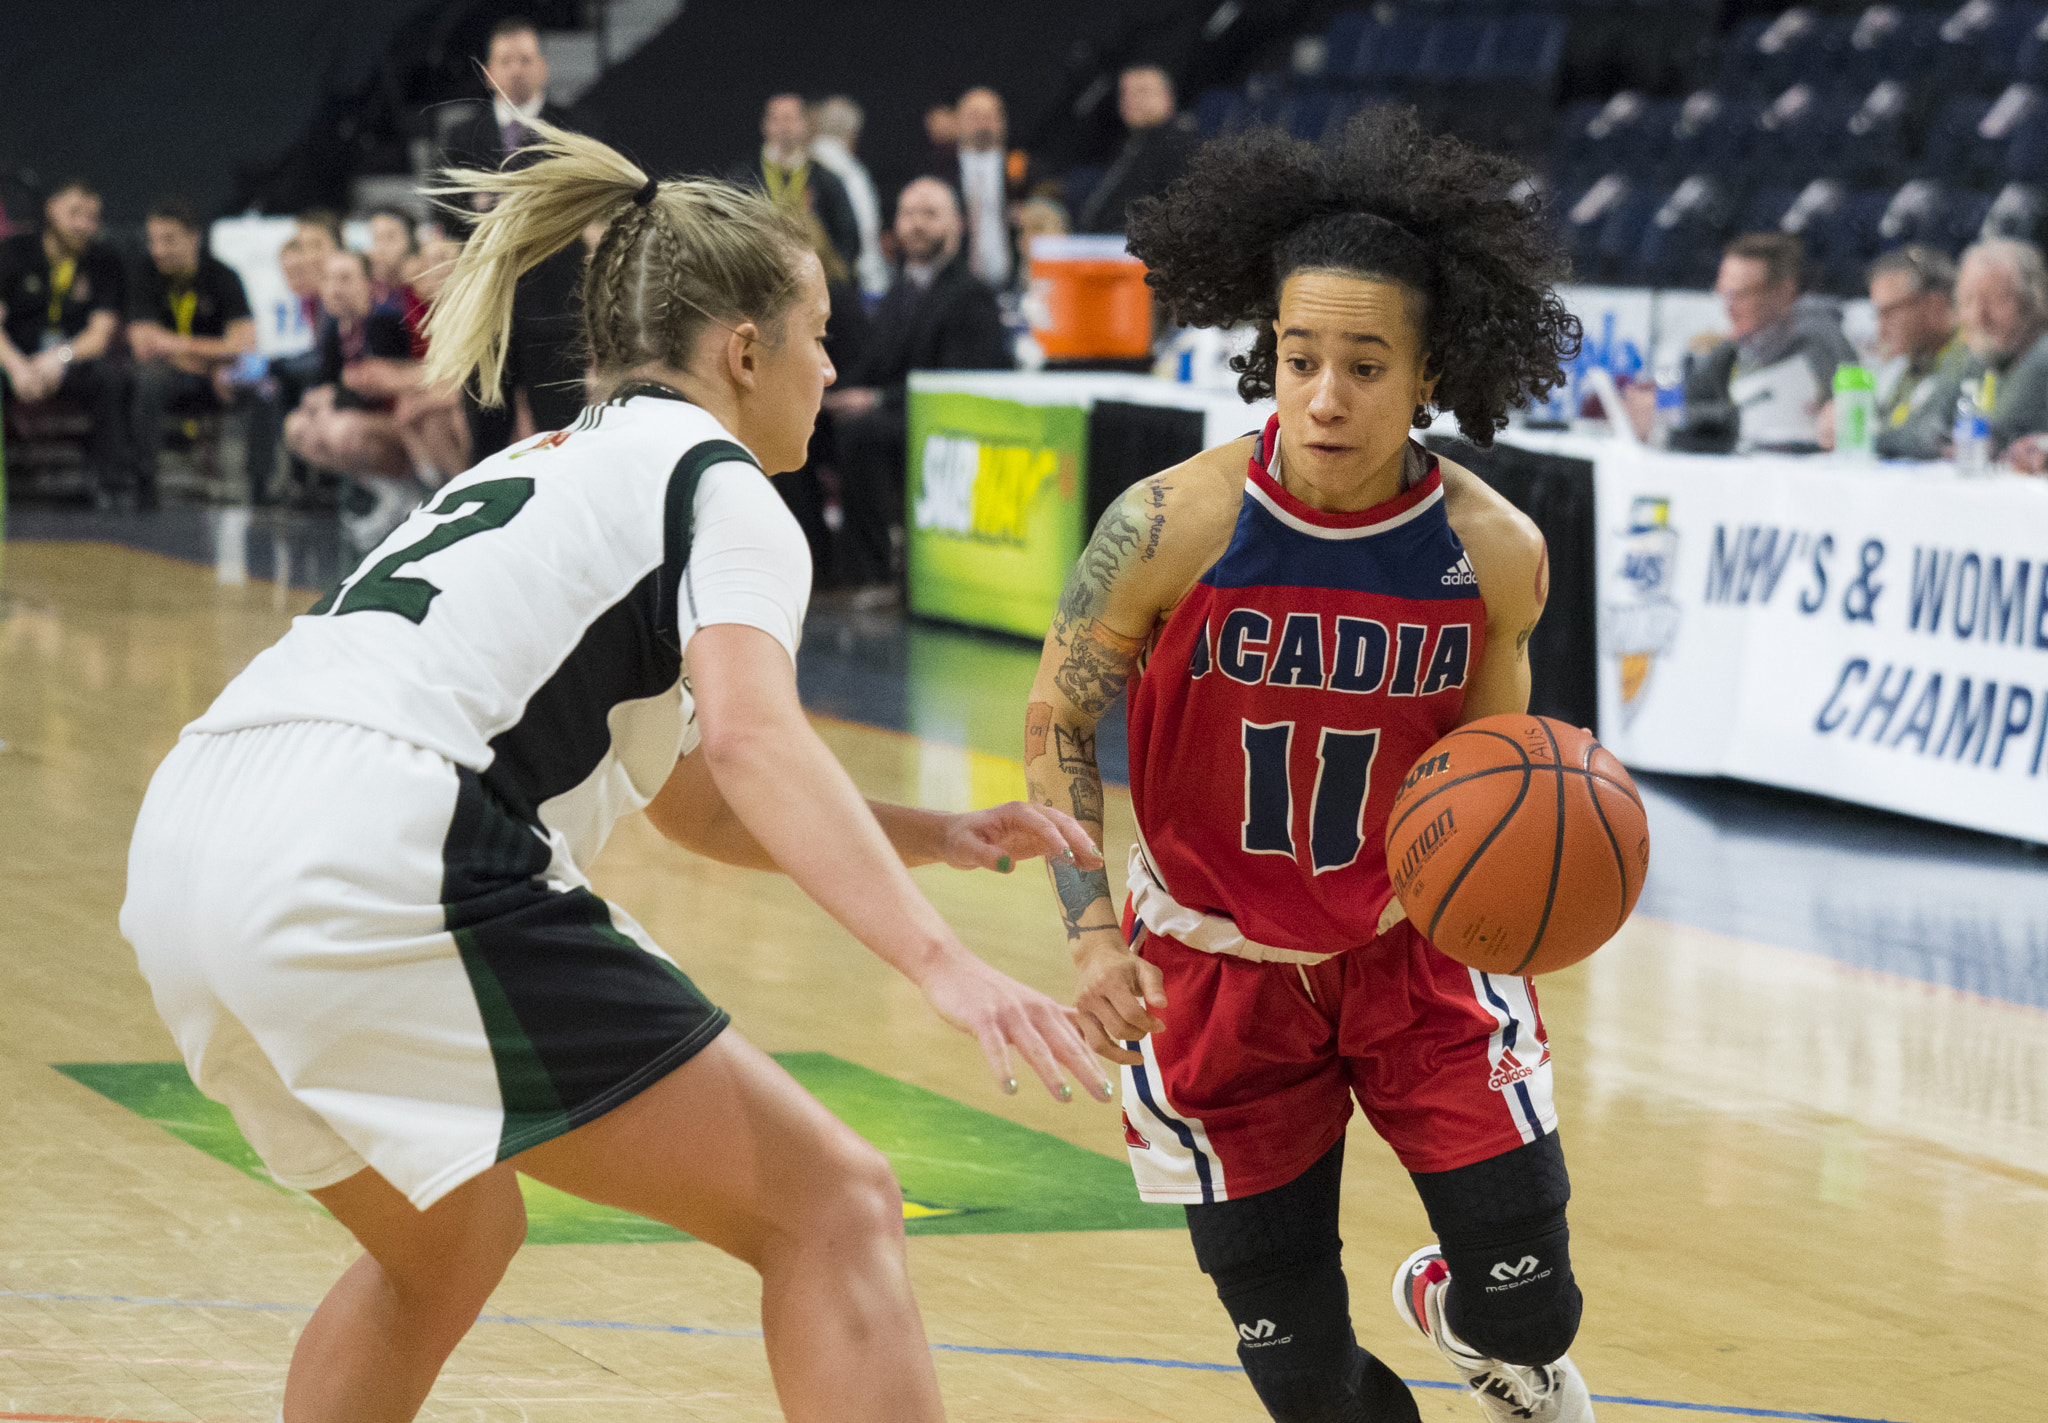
x: 374, y: 1347
x: 729, y: 1148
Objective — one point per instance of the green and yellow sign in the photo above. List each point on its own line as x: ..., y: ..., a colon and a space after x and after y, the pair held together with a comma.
x: 995, y: 492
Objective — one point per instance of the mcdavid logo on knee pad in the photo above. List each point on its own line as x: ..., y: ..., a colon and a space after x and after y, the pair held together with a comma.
x: 1260, y: 1335
x: 1513, y: 1274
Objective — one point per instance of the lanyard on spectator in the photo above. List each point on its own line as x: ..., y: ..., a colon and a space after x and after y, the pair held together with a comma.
x: 183, y: 306
x: 62, y: 275
x: 786, y: 185
x: 1987, y: 393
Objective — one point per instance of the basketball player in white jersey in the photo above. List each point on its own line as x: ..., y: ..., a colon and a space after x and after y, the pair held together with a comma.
x: 359, y: 885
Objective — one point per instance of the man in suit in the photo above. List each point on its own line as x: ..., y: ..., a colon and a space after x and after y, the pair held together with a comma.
x: 544, y: 371
x: 936, y: 316
x: 991, y: 180
x: 785, y: 171
x: 1159, y: 144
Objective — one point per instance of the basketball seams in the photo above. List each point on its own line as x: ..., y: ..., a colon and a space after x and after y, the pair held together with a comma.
x: 1521, y: 794
x: 1394, y: 827
x: 1556, y: 852
x: 1440, y: 788
x: 1607, y: 827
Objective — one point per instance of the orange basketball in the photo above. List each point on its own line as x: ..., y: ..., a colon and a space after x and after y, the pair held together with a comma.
x: 1518, y: 844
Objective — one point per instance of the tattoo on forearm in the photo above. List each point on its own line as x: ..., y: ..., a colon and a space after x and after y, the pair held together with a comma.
x: 1086, y: 794
x: 1075, y: 747
x: 1116, y: 537
x: 1037, y: 724
x: 1098, y: 663
x: 1522, y: 639
x: 1079, y: 890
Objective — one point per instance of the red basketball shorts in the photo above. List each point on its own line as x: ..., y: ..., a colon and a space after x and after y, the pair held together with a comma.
x: 1252, y: 1079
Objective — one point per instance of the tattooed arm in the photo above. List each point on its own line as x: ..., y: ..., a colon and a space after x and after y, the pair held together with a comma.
x: 1149, y: 548
x: 1513, y: 568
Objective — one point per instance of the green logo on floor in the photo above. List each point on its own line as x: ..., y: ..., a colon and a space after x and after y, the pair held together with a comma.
x: 964, y: 1172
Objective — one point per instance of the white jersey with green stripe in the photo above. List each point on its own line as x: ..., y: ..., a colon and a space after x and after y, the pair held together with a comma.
x: 529, y: 621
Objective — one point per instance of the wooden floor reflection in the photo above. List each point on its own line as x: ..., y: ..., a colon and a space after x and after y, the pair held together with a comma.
x: 1802, y: 1188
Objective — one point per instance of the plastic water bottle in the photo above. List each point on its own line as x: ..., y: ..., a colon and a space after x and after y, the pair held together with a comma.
x: 1972, y: 435
x: 1855, y: 414
x: 1670, y: 411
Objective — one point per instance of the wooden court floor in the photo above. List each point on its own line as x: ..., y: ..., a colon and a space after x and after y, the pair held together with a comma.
x: 1801, y: 1191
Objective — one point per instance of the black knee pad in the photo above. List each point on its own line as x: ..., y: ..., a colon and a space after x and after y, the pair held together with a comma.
x: 1501, y: 1224
x: 1276, y: 1260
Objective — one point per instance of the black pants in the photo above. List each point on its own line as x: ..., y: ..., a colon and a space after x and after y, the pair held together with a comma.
x: 871, y: 454
x: 100, y: 387
x: 160, y: 389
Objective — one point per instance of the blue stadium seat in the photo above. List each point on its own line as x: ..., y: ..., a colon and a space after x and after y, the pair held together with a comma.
x: 1628, y: 133
x: 1950, y: 144
x: 1888, y: 41
x: 1528, y: 48
x: 1457, y: 48
x: 1681, y: 243
x: 1978, y: 43
x: 1799, y: 135
x: 1795, y: 48
x: 1833, y: 223
x: 1924, y: 210
x: 1307, y: 114
x: 2019, y: 211
x: 1391, y: 53
x: 1877, y: 137
x: 1220, y: 111
x: 2026, y: 156
x: 2030, y: 64
x: 1711, y: 133
x: 1768, y: 205
x: 1345, y: 41
x: 1603, y: 227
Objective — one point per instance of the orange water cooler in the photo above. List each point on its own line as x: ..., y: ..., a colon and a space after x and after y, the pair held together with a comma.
x: 1088, y: 300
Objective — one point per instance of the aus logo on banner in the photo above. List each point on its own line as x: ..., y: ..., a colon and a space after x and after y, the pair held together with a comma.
x: 1641, y: 624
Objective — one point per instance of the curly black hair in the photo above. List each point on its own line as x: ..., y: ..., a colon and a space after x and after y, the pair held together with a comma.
x: 1385, y: 199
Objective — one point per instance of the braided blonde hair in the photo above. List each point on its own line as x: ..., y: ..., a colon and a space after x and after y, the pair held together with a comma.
x: 675, y: 257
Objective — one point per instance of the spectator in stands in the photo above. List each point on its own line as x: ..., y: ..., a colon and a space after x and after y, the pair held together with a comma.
x: 990, y: 181
x: 1776, y: 369
x: 807, y: 491
x: 543, y: 381
x: 837, y: 122
x: 62, y: 294
x: 1159, y: 143
x: 189, y: 324
x: 517, y: 72
x: 430, y: 422
x: 937, y: 316
x: 345, y: 423
x: 784, y: 170
x: 2002, y: 298
x: 1036, y: 217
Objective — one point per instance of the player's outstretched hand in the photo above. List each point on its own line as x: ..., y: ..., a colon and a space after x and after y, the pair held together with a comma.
x: 1001, y: 1013
x: 1003, y: 835
x: 1119, y: 997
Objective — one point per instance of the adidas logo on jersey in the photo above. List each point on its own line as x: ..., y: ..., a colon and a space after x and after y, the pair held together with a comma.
x: 1461, y: 574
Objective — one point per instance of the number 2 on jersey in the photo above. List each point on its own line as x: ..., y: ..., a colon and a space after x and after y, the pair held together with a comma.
x: 1343, y: 776
x: 382, y: 591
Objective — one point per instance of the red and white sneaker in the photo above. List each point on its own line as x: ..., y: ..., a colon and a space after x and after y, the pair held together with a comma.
x: 1548, y: 1393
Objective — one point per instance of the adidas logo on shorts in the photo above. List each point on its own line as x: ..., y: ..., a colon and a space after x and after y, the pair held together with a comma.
x: 1461, y: 574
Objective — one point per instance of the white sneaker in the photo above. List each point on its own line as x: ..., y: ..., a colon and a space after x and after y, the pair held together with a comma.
x: 1550, y: 1393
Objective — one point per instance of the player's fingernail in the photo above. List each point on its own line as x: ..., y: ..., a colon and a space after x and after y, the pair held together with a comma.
x: 1066, y: 1093
x: 1002, y: 864
x: 1010, y: 1085
x: 1068, y: 856
x: 1106, y: 1089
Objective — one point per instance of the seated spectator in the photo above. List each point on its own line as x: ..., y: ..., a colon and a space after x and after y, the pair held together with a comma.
x: 807, y: 491
x: 1776, y: 369
x: 431, y: 424
x: 62, y: 293
x: 785, y: 171
x: 1036, y: 217
x: 392, y: 249
x: 2002, y: 298
x: 1160, y: 141
x: 937, y: 316
x: 189, y: 325
x: 345, y: 424
x: 1913, y: 292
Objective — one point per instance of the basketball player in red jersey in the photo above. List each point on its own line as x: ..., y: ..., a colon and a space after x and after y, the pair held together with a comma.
x: 1298, y: 615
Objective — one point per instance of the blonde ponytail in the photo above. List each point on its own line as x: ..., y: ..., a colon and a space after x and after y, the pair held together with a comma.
x: 675, y: 256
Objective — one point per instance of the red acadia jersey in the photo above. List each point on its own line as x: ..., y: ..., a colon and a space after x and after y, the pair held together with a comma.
x: 1285, y: 700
